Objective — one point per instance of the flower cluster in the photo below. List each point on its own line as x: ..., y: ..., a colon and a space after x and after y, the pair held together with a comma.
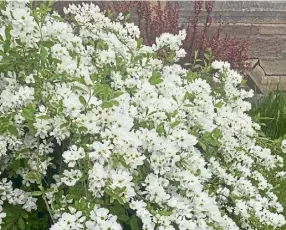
x: 107, y: 134
x: 283, y: 146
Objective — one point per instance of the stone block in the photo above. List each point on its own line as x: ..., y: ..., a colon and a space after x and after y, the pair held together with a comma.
x: 239, y: 30
x: 282, y: 79
x: 251, y: 84
x: 251, y: 6
x: 267, y: 47
x: 273, y: 67
x: 272, y: 87
x: 282, y: 83
x: 272, y: 29
x: 257, y: 74
x: 247, y: 6
x: 273, y: 79
x: 252, y: 62
x: 264, y: 80
x: 241, y: 11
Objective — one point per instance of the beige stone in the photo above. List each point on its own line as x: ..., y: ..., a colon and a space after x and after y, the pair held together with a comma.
x: 256, y: 74
x: 273, y: 79
x: 267, y: 47
x: 272, y: 29
x: 282, y: 83
x: 239, y: 29
x: 282, y: 79
x: 252, y: 62
x: 264, y: 80
x: 273, y: 67
x: 259, y: 12
x: 272, y: 87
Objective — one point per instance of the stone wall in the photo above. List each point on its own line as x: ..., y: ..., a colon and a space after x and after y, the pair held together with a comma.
x: 264, y: 22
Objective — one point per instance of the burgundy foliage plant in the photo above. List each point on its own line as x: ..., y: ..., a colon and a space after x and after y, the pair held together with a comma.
x: 157, y: 17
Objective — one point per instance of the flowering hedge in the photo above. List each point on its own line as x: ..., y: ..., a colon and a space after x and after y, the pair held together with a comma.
x: 101, y: 132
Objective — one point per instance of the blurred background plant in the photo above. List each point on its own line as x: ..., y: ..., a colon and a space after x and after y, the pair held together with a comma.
x: 270, y: 112
x: 156, y: 17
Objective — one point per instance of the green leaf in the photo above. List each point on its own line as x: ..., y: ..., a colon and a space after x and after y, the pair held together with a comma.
x: 98, y: 89
x: 64, y: 125
x: 28, y: 112
x: 106, y: 104
x: 156, y: 78
x: 189, y: 105
x: 82, y: 100
x: 33, y: 176
x: 21, y: 223
x: 44, y: 117
x: 7, y: 226
x: 7, y: 46
x: 123, y: 217
x: 24, y: 214
x: 37, y: 193
x: 53, y: 166
x: 13, y: 130
x: 116, y: 94
x: 43, y: 53
x: 7, y: 32
x: 116, y: 103
x: 203, y: 145
x: 133, y: 223
x: 127, y: 17
x: 175, y: 123
x: 83, y: 129
x: 80, y: 80
x: 78, y: 88
x: 102, y: 90
x: 109, y: 104
x: 102, y: 45
x: 15, y: 165
x: 219, y: 105
x: 175, y: 99
x: 139, y: 42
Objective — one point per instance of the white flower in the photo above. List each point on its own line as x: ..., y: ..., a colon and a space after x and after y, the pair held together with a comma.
x: 220, y: 65
x: 283, y: 146
x: 30, y: 79
x: 73, y: 220
x: 71, y: 177
x: 101, y: 219
x: 3, y: 146
x: 2, y: 214
x: 180, y: 53
x: 73, y: 155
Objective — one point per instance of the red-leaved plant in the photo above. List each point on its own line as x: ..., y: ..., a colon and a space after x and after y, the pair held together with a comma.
x: 155, y: 18
x: 223, y: 46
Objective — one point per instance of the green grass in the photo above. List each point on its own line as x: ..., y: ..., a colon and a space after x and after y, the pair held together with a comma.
x: 270, y: 112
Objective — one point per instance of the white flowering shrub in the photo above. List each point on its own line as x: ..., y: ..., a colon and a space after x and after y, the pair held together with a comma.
x: 101, y: 132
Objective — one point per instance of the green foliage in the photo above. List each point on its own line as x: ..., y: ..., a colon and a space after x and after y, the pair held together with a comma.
x: 156, y: 78
x: 270, y: 112
x: 19, y: 219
